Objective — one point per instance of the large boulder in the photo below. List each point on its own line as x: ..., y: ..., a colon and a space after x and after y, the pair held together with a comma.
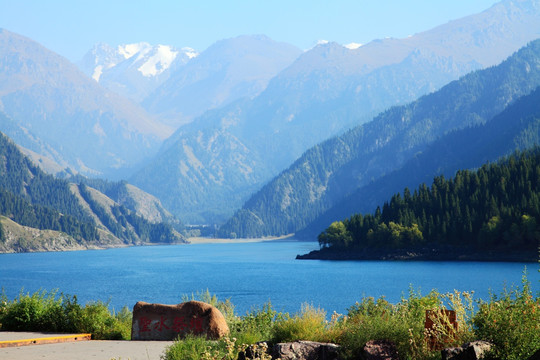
x: 469, y: 351
x: 305, y: 350
x: 380, y: 350
x: 168, y: 322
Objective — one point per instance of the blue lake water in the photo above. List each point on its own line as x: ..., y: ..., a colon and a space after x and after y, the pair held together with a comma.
x: 250, y: 274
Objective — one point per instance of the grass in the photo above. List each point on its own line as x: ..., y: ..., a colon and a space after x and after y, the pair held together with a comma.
x: 53, y: 312
x: 510, y: 320
x: 309, y: 324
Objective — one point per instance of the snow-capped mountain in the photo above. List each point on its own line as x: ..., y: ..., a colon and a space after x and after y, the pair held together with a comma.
x: 51, y: 108
x: 133, y: 70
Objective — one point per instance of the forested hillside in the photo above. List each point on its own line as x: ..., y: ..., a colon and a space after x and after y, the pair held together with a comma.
x: 516, y: 128
x: 31, y: 198
x: 133, y: 198
x: 494, y: 210
x: 330, y: 172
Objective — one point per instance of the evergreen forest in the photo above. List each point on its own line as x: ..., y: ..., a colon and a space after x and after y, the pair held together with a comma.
x: 495, y: 208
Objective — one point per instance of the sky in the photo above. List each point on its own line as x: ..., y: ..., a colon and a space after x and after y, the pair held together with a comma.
x: 71, y: 27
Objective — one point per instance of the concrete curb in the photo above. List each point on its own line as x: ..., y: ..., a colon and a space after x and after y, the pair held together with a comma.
x: 45, y: 340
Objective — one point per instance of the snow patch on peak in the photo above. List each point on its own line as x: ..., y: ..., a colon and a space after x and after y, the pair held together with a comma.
x: 158, y: 62
x: 190, y: 52
x: 98, y: 70
x: 129, y: 50
x: 353, y: 46
x: 317, y: 44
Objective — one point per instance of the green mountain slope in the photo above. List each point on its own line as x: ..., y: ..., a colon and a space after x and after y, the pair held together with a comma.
x: 122, y: 193
x: 516, y: 128
x: 331, y: 171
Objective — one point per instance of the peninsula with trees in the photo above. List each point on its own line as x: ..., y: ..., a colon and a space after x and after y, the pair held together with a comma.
x: 487, y: 214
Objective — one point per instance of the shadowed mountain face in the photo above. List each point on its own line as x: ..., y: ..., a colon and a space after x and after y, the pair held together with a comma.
x: 325, y: 92
x: 516, y: 128
x: 53, y: 108
x: 331, y: 171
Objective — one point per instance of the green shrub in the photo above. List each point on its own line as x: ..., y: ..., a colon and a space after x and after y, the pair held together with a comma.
x: 256, y: 325
x: 511, y: 321
x: 40, y: 311
x: 50, y: 312
x: 96, y: 319
x: 193, y: 347
x: 372, y: 319
x: 403, y: 324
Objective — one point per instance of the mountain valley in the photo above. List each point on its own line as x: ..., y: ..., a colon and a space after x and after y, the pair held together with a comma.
x: 325, y: 92
x: 251, y: 136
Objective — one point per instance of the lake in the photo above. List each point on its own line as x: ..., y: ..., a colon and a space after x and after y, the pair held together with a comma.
x: 250, y: 274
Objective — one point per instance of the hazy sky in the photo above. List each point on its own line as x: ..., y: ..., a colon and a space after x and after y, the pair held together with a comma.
x: 72, y: 27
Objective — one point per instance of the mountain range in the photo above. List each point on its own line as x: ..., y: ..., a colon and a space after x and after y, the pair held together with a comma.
x: 53, y: 109
x: 336, y: 171
x: 208, y: 132
x: 180, y: 84
x: 216, y: 162
x: 228, y: 70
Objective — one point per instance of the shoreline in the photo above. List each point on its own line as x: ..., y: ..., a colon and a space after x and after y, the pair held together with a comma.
x: 429, y: 254
x: 189, y: 241
x: 204, y: 240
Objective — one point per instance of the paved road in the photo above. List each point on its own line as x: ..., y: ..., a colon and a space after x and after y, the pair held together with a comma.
x: 82, y: 350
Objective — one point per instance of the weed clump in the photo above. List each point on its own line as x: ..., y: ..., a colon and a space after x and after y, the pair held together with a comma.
x: 53, y: 312
x: 511, y: 321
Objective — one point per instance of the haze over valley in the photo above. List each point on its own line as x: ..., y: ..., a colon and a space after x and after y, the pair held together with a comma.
x: 254, y: 137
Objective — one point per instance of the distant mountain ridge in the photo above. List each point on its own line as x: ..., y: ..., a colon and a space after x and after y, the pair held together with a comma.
x: 325, y: 92
x: 228, y: 70
x: 331, y: 171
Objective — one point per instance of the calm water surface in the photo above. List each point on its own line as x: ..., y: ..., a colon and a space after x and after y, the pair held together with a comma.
x: 249, y: 274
